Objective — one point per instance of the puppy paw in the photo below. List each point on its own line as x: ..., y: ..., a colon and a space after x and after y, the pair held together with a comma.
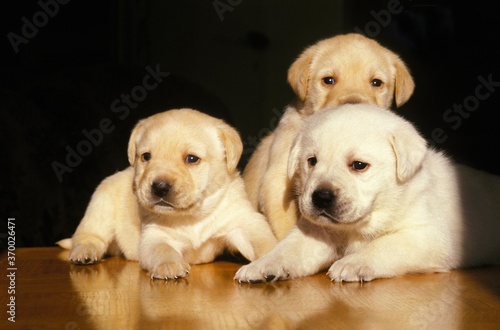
x: 351, y: 269
x: 170, y: 270
x: 86, y: 254
x: 261, y: 271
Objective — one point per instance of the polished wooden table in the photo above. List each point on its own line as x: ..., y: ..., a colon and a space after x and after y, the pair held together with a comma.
x: 50, y: 293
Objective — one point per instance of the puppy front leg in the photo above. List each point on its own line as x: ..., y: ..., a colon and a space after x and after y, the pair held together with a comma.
x: 277, y: 202
x: 94, y: 233
x: 97, y: 229
x: 158, y: 258
x: 164, y: 262
x: 297, y: 255
x: 254, y: 238
x: 87, y: 249
x: 276, y: 197
x: 409, y: 251
x: 255, y: 169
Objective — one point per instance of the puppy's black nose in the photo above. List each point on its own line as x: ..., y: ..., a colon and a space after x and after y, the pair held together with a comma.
x: 160, y: 188
x: 323, y: 198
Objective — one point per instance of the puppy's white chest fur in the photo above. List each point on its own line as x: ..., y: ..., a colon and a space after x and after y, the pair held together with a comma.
x: 199, y: 235
x: 195, y: 239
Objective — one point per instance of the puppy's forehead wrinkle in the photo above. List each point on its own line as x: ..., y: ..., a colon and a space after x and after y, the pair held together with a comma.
x: 353, y: 56
x: 175, y: 139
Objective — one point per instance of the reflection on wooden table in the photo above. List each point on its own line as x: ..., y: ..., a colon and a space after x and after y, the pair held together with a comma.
x: 116, y: 294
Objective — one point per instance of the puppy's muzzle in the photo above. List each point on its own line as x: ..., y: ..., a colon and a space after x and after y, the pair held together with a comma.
x: 323, y: 199
x: 160, y: 188
x: 353, y: 99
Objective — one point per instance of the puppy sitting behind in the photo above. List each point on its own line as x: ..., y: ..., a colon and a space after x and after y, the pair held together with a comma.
x: 344, y: 69
x: 183, y: 188
x: 377, y: 202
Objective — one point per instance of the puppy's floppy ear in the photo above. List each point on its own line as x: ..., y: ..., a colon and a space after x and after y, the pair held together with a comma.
x: 410, y: 149
x: 232, y: 144
x: 404, y: 84
x: 298, y: 73
x: 132, y: 142
x: 293, y: 157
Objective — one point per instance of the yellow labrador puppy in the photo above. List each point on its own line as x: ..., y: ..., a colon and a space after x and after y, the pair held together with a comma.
x: 376, y: 202
x: 185, y: 192
x: 344, y: 69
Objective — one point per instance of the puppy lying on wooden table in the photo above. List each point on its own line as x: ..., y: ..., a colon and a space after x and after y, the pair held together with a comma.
x: 185, y: 192
x: 376, y: 202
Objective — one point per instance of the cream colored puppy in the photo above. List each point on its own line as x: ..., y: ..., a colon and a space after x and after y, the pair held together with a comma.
x: 377, y: 202
x: 185, y: 192
x: 344, y: 69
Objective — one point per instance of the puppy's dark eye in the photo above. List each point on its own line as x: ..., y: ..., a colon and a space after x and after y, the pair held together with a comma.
x: 312, y: 161
x: 328, y: 80
x: 376, y: 82
x: 192, y: 159
x: 359, y: 166
x: 146, y: 156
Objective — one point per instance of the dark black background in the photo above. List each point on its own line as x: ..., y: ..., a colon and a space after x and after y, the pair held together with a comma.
x: 233, y: 65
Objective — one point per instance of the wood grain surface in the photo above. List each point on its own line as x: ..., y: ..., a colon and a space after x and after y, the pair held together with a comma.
x: 51, y: 293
